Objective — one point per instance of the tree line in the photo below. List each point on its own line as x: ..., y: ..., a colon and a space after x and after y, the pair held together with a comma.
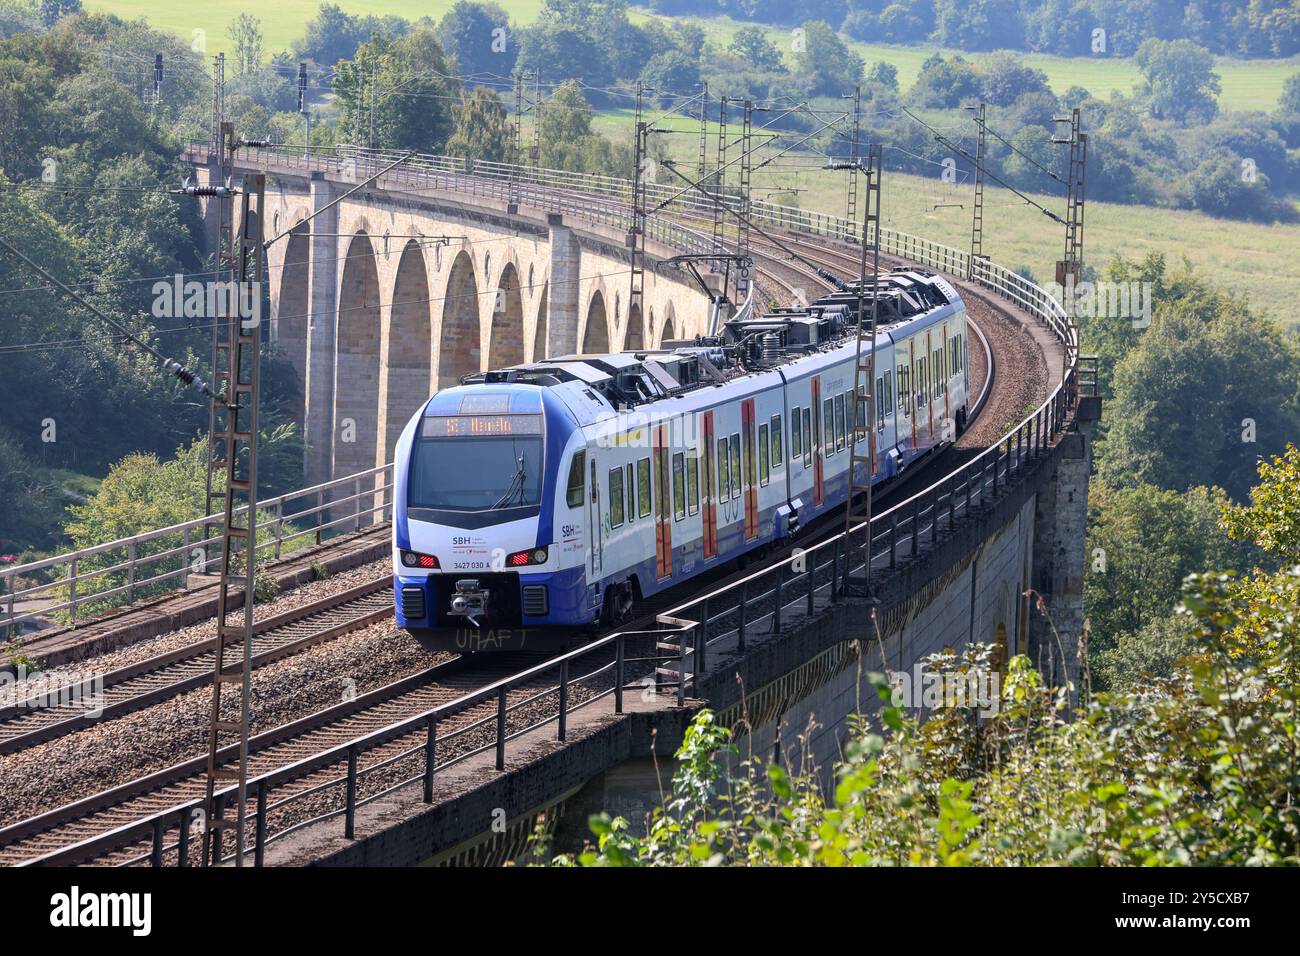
x: 1061, y: 27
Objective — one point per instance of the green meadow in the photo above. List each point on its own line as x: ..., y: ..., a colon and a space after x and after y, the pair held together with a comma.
x: 1247, y: 84
x: 1252, y: 258
x: 284, y: 22
x: 1245, y: 256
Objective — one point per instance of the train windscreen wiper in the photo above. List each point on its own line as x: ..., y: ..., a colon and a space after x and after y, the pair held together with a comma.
x: 516, y: 488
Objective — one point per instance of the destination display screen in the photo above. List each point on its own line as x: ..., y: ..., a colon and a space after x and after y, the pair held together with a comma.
x: 480, y: 426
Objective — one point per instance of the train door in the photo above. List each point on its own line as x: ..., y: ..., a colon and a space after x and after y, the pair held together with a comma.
x: 663, y: 503
x: 945, y: 361
x: 749, y: 484
x: 710, y: 492
x: 596, y: 535
x: 913, y: 389
x: 819, y: 486
x: 930, y: 381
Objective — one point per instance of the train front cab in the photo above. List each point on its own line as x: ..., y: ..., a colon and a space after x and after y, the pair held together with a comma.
x: 484, y: 560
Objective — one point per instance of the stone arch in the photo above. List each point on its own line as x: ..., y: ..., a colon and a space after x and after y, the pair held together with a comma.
x: 292, y: 308
x: 540, y: 345
x: 459, y: 351
x: 356, y: 364
x: 595, y: 339
x: 670, y: 325
x: 407, y: 377
x: 506, y: 339
x: 635, y: 330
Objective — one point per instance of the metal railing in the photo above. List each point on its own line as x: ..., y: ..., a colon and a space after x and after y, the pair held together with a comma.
x: 156, y: 562
x: 735, y: 613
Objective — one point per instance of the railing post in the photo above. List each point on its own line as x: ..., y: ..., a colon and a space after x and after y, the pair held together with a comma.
x: 776, y: 613
x: 72, y: 590
x: 156, y: 853
x: 620, y: 675
x: 185, y: 558
x: 183, y: 839
x: 350, y: 819
x: 213, y: 848
x: 812, y: 583
x: 893, y: 540
x: 564, y: 697
x: 835, y: 567
x: 740, y: 630
x: 916, y: 527
x: 259, y: 840
x: 279, y: 526
x: 501, y: 729
x: 430, y: 756
x: 683, y: 642
x: 320, y: 512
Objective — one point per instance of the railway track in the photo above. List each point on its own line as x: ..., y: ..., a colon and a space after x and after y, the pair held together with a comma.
x: 298, y: 742
x: 29, y: 840
x: 59, y: 711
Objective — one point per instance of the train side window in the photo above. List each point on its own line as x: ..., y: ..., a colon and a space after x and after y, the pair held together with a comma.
x: 577, y: 473
x: 807, y: 437
x: 796, y: 434
x: 902, y: 390
x: 615, y: 497
x: 736, y: 480
x: 643, y: 487
x: 763, y: 472
x: 888, y: 404
x: 778, y: 453
x: 918, y: 386
x: 828, y: 426
x: 881, y: 403
x: 692, y: 483
x: 631, y: 493
x: 724, y: 472
x: 679, y: 486
x: 839, y: 422
x: 938, y: 372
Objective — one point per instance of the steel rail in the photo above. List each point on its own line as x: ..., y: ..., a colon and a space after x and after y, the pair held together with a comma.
x: 182, y: 669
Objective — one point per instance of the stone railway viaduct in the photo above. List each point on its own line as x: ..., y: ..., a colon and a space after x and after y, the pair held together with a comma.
x: 424, y: 276
x: 400, y: 289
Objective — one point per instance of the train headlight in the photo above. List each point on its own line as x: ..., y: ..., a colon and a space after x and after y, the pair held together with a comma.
x: 413, y: 560
x: 524, y: 558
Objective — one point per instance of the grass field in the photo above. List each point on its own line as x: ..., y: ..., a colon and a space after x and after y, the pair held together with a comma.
x: 1247, y: 84
x: 284, y: 22
x: 1247, y: 257
x: 1250, y: 258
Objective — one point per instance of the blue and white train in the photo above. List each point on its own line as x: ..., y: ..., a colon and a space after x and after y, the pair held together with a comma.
x: 547, y: 497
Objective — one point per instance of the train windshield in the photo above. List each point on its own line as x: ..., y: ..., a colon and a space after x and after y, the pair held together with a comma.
x: 477, y: 463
